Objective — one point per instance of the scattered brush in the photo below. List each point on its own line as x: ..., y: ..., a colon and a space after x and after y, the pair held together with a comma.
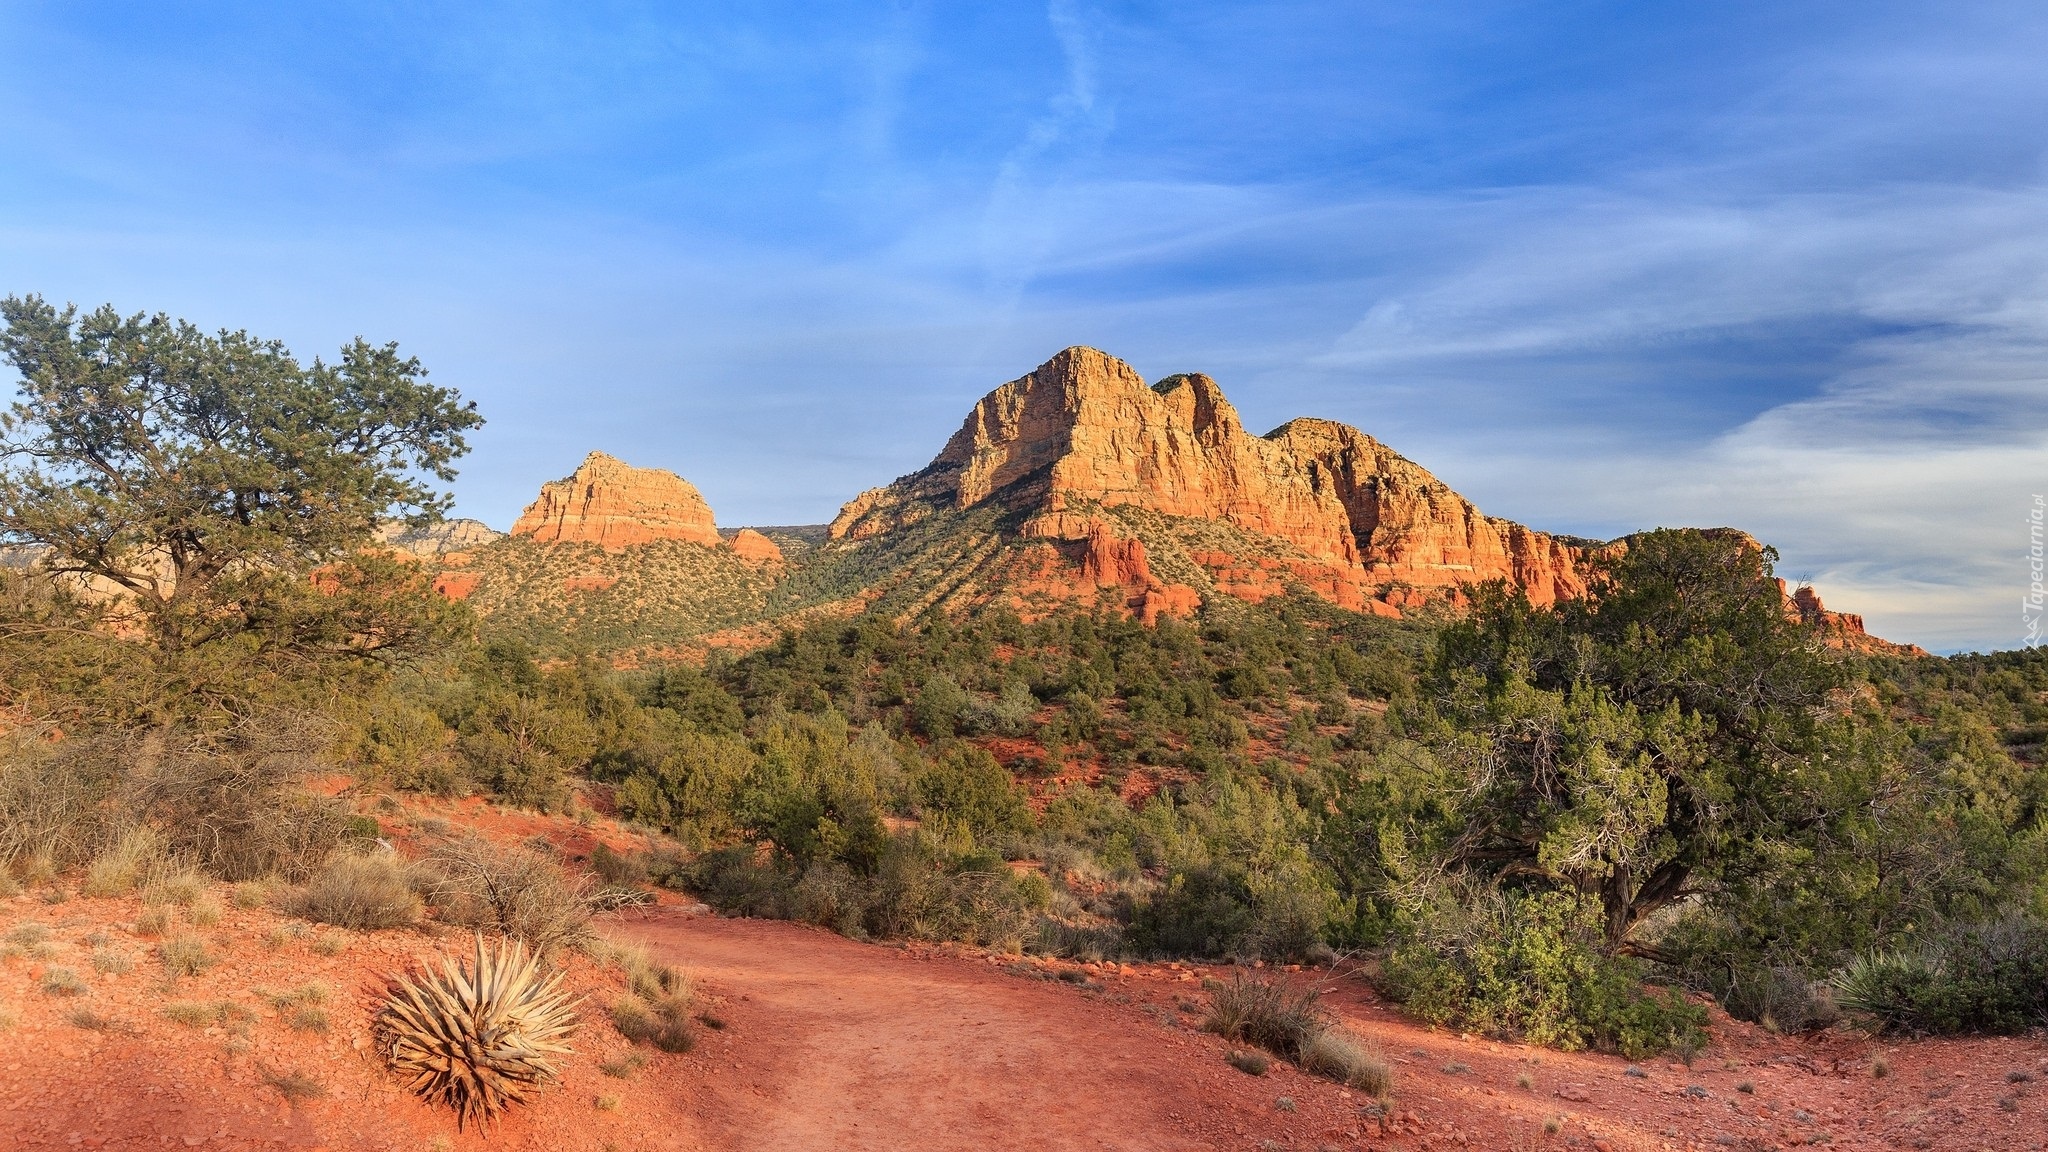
x: 178, y: 884
x: 28, y: 935
x: 1358, y: 1064
x: 194, y: 1014
x: 121, y: 868
x: 91, y: 1021
x: 1268, y: 1013
x: 522, y: 892
x: 664, y: 1024
x: 108, y: 962
x: 62, y: 982
x: 362, y: 891
x: 185, y: 955
x: 478, y: 1037
x: 1291, y: 1023
x: 296, y: 1087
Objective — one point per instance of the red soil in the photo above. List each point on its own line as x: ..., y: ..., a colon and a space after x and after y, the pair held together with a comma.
x: 833, y: 1044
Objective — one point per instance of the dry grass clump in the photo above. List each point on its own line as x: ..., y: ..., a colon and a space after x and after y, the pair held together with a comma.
x: 174, y: 884
x: 367, y: 891
x: 251, y: 896
x: 478, y: 1037
x: 185, y: 955
x: 656, y: 1008
x: 330, y: 943
x: 109, y: 962
x: 518, y: 891
x: 62, y: 982
x: 1269, y: 1013
x: 1251, y: 1063
x: 126, y: 863
x: 623, y: 1065
x: 153, y: 922
x: 301, y: 1007
x: 1354, y: 1063
x: 31, y: 940
x: 1291, y: 1023
x: 86, y: 1018
x: 195, y: 1014
x: 296, y: 1087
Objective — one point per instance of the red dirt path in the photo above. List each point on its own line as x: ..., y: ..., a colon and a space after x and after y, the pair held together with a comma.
x: 836, y: 1044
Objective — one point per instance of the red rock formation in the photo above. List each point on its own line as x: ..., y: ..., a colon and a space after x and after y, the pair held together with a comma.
x: 755, y: 548
x: 1114, y: 562
x: 1084, y: 431
x: 457, y: 585
x: 612, y: 504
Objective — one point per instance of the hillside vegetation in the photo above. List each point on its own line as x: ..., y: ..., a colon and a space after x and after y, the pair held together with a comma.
x: 1547, y: 822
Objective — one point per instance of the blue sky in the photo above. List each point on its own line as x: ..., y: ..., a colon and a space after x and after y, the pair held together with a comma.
x: 1601, y: 266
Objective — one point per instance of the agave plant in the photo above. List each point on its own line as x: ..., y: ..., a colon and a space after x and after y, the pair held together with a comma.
x: 478, y: 1038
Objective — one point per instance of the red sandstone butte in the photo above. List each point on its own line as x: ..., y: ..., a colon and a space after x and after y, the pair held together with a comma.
x: 612, y: 504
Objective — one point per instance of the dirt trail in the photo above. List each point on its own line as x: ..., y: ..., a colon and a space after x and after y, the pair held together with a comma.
x: 835, y: 1044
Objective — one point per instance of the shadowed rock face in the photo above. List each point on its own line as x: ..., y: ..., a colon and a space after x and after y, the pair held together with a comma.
x: 1085, y: 430
x: 612, y: 504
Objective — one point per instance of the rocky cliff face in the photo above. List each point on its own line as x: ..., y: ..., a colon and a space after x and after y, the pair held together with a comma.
x: 1084, y: 433
x: 612, y: 504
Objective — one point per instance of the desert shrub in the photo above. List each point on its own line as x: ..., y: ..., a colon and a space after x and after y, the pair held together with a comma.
x: 122, y: 867
x: 663, y: 1023
x: 939, y: 706
x: 364, y: 891
x: 1530, y: 965
x: 58, y: 981
x: 233, y: 801
x: 1977, y: 978
x: 185, y: 955
x: 1057, y: 937
x: 1204, y: 910
x: 516, y: 890
x: 109, y: 962
x: 741, y: 880
x: 921, y: 888
x: 615, y: 867
x: 1781, y: 998
x: 1338, y: 1055
x: 1272, y: 1014
x: 173, y: 882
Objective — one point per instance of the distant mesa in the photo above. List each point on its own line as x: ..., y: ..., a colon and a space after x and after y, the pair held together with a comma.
x: 1075, y: 484
x: 1084, y: 433
x: 438, y: 540
x: 614, y: 505
x: 755, y: 548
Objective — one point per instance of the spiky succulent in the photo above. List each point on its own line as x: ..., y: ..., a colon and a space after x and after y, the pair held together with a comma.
x: 478, y: 1038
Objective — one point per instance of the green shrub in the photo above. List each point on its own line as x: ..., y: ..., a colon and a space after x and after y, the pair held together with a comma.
x: 1529, y: 965
x: 1979, y: 978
